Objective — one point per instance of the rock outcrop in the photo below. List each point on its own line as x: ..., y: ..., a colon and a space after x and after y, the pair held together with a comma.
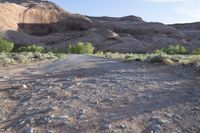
x: 43, y: 22
x: 40, y: 18
x: 192, y: 33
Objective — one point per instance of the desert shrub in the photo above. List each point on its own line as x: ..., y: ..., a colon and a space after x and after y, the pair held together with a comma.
x: 22, y: 58
x: 114, y: 55
x: 171, y: 50
x: 195, y: 59
x: 5, y: 45
x: 31, y: 48
x: 81, y: 48
x: 7, y: 61
x: 159, y: 51
x: 50, y: 55
x: 196, y: 51
x: 168, y: 61
x: 128, y: 58
x: 3, y: 55
x: 99, y: 53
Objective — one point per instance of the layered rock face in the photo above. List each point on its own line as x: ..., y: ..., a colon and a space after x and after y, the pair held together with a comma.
x: 43, y: 22
x: 41, y: 18
x: 192, y: 33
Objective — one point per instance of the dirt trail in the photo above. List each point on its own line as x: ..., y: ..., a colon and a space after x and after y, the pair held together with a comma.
x: 89, y: 94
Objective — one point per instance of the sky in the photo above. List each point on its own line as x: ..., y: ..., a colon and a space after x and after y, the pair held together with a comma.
x: 165, y: 11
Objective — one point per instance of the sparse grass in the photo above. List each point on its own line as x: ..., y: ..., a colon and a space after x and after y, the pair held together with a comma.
x: 31, y: 48
x: 172, y: 50
x: 196, y: 51
x: 26, y: 57
x: 124, y: 57
x: 154, y: 58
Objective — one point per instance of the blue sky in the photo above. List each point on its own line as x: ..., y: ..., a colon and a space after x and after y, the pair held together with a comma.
x: 166, y: 11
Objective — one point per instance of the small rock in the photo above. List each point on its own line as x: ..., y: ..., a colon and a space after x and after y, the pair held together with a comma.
x: 141, y: 110
x: 155, y: 128
x: 52, y: 116
x: 28, y: 130
x: 178, y: 117
x: 49, y: 131
x: 25, y: 103
x: 5, y: 77
x: 21, y: 122
x: 9, y: 129
x: 82, y: 111
x: 81, y: 116
x: 59, y: 117
x: 123, y: 126
x: 2, y: 130
x: 147, y: 97
x: 107, y: 99
x: 61, y: 85
x: 4, y: 118
x: 158, y: 120
x: 106, y: 126
x: 126, y: 100
x: 63, y: 117
x: 24, y: 86
x: 113, y: 116
x: 132, y: 119
x: 196, y: 109
x: 169, y: 115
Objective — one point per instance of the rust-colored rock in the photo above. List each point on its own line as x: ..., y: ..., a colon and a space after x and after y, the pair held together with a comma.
x: 43, y: 22
x: 40, y: 18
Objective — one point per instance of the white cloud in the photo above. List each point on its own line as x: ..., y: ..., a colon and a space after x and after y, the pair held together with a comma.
x: 190, y: 10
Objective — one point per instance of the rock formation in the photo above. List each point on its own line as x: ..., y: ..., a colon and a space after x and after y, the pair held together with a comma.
x: 192, y: 33
x: 43, y: 22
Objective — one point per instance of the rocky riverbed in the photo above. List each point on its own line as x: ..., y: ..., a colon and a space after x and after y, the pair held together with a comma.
x: 84, y: 94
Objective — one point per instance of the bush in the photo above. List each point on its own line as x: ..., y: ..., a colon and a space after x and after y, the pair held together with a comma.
x: 160, y: 52
x: 5, y: 45
x: 128, y: 58
x: 81, y: 48
x: 171, y: 50
x: 196, y: 51
x: 99, y: 53
x: 31, y: 48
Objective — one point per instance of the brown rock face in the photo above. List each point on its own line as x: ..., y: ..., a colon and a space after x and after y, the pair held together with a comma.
x: 43, y: 22
x: 41, y: 18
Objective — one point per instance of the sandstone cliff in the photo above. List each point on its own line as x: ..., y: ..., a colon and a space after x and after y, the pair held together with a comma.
x: 42, y: 22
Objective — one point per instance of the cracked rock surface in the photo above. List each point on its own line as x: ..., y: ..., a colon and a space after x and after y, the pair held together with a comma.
x: 84, y: 94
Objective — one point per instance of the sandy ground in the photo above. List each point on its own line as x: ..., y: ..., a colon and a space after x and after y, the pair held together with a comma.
x: 84, y: 94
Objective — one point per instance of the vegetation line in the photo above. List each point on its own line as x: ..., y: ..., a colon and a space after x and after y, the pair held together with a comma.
x: 173, y: 55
